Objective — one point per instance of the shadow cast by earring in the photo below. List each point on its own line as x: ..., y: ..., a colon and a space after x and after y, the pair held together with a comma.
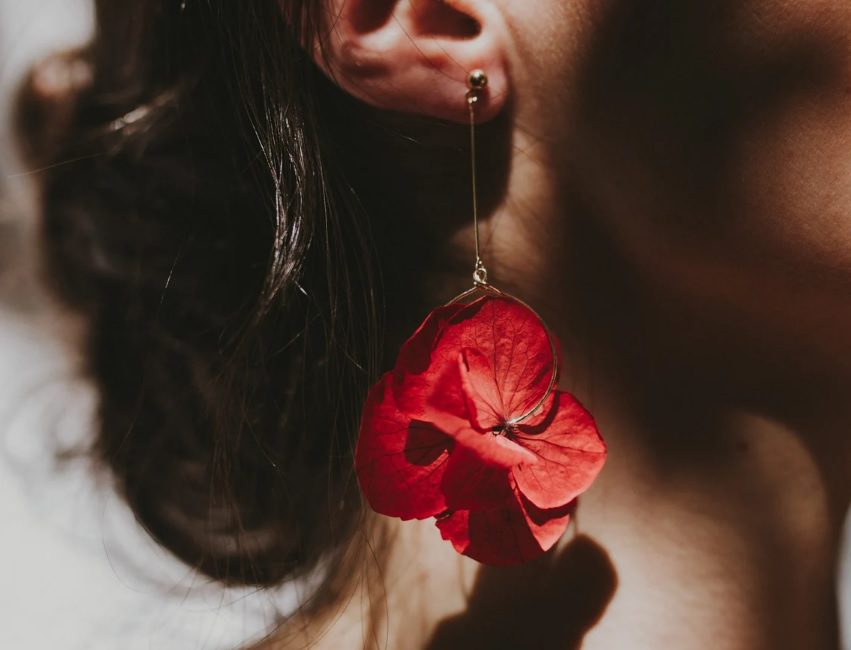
x: 548, y: 604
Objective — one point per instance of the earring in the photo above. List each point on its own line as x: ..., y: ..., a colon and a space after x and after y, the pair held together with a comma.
x: 469, y: 426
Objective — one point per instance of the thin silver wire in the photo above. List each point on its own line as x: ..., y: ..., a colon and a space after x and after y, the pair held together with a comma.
x: 471, y: 102
x: 480, y: 273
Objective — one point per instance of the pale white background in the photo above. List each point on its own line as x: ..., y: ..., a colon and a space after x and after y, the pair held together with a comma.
x: 77, y: 572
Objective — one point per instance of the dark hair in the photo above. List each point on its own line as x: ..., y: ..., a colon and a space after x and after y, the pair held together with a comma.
x: 204, y: 207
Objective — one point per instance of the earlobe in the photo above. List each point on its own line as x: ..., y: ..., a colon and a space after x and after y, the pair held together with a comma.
x: 415, y: 56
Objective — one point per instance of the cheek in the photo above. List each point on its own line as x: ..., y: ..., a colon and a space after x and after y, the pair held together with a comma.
x: 545, y: 36
x: 714, y: 141
x: 791, y: 185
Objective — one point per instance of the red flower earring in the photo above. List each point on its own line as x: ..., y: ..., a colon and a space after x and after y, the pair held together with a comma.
x: 470, y: 428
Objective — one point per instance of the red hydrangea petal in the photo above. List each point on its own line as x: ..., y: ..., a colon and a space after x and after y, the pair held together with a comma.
x: 446, y: 406
x: 513, y: 534
x: 507, y: 333
x: 483, y: 398
x: 498, y: 537
x: 423, y: 368
x: 542, y: 413
x: 470, y: 484
x: 400, y: 462
x: 415, y: 355
x: 518, y: 347
x: 569, y: 450
x: 496, y: 451
x: 547, y: 525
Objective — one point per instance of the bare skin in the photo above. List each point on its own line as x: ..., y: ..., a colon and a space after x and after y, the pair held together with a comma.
x: 678, y: 207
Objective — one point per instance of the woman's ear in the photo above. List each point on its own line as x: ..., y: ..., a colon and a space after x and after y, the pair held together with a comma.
x: 415, y: 56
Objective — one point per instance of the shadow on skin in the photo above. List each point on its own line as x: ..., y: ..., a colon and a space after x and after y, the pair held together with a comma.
x: 551, y: 603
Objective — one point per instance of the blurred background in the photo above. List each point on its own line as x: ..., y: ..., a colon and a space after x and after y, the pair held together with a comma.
x: 29, y: 30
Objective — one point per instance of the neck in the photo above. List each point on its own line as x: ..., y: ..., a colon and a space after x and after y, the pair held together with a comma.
x: 728, y: 471
x: 718, y: 505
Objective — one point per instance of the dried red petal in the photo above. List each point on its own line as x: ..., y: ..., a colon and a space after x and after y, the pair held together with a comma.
x: 419, y: 369
x: 494, y: 450
x: 499, y: 537
x: 470, y: 484
x: 400, y: 462
x: 513, y: 534
x: 415, y: 354
x: 547, y: 525
x: 482, y: 395
x: 503, y: 331
x: 439, y: 434
x: 569, y: 450
x: 515, y: 341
